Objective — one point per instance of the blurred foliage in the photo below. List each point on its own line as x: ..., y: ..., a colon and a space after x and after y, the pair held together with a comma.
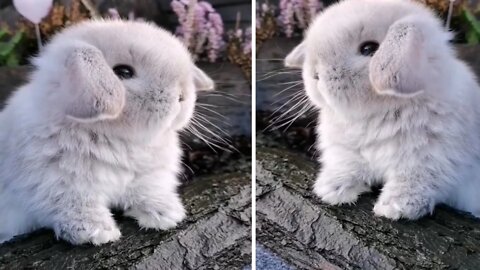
x: 9, y: 53
x: 19, y: 40
x: 266, y: 23
x: 59, y: 17
x: 472, y: 24
x: 441, y: 6
x: 465, y: 20
x: 238, y: 56
x: 17, y: 37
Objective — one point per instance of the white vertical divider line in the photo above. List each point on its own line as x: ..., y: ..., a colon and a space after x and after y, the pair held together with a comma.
x: 254, y: 133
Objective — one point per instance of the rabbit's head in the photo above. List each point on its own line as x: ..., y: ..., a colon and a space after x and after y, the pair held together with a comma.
x: 131, y: 75
x: 359, y: 52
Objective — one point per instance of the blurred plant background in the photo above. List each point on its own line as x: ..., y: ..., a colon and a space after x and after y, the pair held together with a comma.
x: 291, y: 17
x: 213, y: 30
x: 9, y: 52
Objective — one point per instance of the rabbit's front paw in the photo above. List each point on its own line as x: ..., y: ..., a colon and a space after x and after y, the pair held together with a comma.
x: 339, y: 191
x: 409, y: 206
x: 156, y: 217
x: 95, y: 232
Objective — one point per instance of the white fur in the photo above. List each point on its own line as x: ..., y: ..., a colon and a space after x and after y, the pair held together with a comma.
x: 408, y: 117
x: 77, y: 141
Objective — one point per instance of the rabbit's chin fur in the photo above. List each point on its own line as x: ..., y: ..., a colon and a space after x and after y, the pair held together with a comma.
x: 77, y: 140
x: 407, y: 117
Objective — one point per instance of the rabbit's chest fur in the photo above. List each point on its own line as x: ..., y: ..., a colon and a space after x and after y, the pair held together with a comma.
x: 97, y: 164
x: 442, y: 133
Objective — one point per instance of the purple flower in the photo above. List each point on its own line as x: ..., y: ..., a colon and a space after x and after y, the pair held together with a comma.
x: 201, y: 28
x: 297, y: 14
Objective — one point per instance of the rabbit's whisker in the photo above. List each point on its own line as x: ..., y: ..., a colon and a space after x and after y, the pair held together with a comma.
x: 203, y: 105
x: 199, y: 122
x: 276, y: 73
x: 215, y: 135
x: 203, y: 119
x: 292, y: 82
x: 297, y: 96
x: 300, y: 107
x: 288, y: 88
x: 214, y: 112
x: 194, y: 131
x: 227, y: 98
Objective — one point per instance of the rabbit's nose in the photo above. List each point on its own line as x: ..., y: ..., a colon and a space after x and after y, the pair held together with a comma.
x: 181, y: 98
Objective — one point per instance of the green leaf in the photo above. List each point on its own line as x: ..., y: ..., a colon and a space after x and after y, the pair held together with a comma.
x: 3, y: 32
x: 9, y: 47
x: 474, y: 23
x: 12, y: 60
x: 17, y: 38
x: 3, y: 48
x: 472, y: 37
x: 6, y: 50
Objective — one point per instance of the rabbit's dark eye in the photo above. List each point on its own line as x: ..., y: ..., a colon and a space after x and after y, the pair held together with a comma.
x: 316, y: 77
x: 368, y: 48
x: 124, y: 71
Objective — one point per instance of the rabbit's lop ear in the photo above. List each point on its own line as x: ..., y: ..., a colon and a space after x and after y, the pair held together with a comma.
x: 96, y: 93
x: 296, y: 57
x: 201, y: 80
x: 397, y: 66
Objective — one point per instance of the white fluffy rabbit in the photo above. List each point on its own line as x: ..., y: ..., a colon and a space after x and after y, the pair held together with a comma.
x: 97, y: 128
x: 397, y: 108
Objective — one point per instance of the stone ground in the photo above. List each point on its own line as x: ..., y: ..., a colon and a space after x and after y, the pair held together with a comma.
x: 297, y: 231
x: 217, y: 195
x: 266, y: 260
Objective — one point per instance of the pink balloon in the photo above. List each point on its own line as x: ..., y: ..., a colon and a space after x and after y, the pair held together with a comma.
x: 33, y: 10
